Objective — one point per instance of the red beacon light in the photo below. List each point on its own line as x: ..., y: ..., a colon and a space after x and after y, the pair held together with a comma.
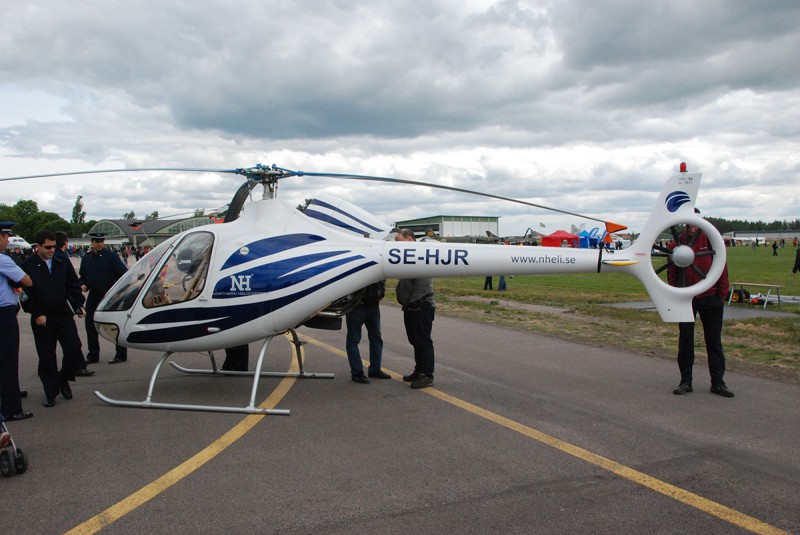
x: 683, y: 167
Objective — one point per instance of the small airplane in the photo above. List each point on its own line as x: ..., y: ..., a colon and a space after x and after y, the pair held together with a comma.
x: 275, y: 268
x: 16, y: 241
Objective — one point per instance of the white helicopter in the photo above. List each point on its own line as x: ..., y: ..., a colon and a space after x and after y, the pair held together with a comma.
x: 276, y: 268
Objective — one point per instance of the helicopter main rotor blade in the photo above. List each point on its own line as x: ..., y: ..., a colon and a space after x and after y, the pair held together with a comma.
x: 131, y: 170
x: 438, y: 186
x: 274, y: 173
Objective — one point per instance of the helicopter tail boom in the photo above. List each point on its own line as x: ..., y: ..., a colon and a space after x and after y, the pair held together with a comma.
x: 674, y: 207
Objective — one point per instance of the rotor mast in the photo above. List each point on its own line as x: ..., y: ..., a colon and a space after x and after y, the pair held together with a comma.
x: 265, y: 175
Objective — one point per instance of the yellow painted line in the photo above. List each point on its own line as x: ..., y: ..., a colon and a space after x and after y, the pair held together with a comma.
x: 676, y: 493
x: 147, y: 493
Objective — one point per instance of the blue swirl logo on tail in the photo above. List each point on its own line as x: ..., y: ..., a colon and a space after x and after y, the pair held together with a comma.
x: 676, y: 199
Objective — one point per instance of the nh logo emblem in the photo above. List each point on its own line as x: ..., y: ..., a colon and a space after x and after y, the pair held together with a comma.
x: 240, y: 283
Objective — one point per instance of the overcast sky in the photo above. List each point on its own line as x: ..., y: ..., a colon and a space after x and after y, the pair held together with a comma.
x: 587, y: 106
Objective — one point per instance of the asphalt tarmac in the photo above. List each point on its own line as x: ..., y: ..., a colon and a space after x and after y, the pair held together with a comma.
x: 522, y: 434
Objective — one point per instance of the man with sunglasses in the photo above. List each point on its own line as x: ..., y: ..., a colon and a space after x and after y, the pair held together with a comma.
x: 52, y: 301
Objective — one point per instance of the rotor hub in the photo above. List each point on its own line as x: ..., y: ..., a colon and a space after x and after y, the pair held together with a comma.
x: 683, y: 256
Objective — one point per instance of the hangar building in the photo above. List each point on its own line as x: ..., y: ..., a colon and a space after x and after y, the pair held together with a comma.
x: 447, y: 226
x: 137, y: 232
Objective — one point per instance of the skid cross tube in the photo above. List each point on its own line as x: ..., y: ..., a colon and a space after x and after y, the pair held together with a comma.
x: 302, y: 374
x: 148, y: 402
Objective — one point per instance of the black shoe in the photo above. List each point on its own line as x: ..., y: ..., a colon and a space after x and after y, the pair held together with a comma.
x: 380, y: 374
x: 683, y: 388
x: 423, y: 381
x: 722, y: 390
x: 117, y: 360
x: 23, y: 393
x: 66, y: 391
x: 360, y: 379
x: 411, y: 377
x: 18, y: 416
x: 86, y: 372
x: 49, y: 402
x: 92, y: 360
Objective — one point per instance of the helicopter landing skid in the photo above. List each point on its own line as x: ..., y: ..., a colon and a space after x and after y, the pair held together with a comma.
x: 302, y: 374
x: 148, y: 402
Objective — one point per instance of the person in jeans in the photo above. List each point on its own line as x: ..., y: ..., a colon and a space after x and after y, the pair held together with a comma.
x: 366, y: 313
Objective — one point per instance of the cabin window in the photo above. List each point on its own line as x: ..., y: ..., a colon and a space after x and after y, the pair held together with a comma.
x: 183, y: 276
x: 123, y: 294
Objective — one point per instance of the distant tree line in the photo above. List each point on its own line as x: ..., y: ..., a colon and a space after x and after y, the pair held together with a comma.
x: 30, y: 220
x: 743, y: 225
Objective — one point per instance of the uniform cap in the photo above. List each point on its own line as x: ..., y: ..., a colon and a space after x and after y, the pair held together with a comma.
x: 6, y: 226
x: 97, y: 236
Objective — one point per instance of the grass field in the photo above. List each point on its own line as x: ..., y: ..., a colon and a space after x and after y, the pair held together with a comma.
x: 762, y: 346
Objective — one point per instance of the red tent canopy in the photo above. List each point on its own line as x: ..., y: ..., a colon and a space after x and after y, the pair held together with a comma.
x: 556, y: 238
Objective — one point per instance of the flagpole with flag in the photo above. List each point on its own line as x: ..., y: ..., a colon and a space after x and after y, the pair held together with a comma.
x: 137, y: 225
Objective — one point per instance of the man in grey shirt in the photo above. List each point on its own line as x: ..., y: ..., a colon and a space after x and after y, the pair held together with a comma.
x: 419, y: 307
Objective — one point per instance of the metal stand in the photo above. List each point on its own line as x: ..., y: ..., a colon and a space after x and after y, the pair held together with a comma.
x: 148, y: 402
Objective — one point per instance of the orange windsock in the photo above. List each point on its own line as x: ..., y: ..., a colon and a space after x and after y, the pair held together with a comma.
x: 614, y: 227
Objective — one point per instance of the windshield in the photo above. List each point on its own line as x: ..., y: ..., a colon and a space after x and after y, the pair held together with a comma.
x: 124, y: 293
x: 183, y: 275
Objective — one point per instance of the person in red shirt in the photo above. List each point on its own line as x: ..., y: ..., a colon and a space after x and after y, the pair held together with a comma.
x: 709, y: 305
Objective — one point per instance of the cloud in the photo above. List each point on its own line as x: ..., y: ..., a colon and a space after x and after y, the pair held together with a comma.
x: 582, y: 105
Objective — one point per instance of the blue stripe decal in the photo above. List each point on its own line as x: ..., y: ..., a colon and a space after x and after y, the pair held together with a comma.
x: 328, y: 218
x: 222, y: 317
x: 270, y: 246
x: 323, y: 204
x: 277, y: 276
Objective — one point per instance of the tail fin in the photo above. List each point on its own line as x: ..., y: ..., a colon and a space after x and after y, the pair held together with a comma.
x: 674, y: 207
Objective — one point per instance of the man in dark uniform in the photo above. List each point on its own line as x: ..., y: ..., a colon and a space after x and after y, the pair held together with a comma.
x: 17, y: 255
x: 11, y: 276
x: 62, y: 243
x: 99, y: 270
x: 54, y: 296
x: 237, y: 358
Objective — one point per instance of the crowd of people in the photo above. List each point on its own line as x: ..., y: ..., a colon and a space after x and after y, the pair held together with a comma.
x: 46, y: 286
x: 125, y: 252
